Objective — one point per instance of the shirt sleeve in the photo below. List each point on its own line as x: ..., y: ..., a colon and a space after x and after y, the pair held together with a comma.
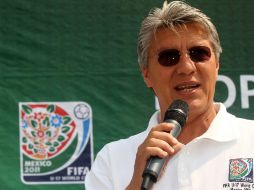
x: 100, y: 177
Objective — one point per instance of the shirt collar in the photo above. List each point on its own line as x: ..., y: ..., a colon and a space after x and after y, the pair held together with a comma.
x: 223, y: 127
x: 154, y: 120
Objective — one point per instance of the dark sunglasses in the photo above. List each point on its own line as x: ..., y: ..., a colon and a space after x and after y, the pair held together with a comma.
x: 170, y: 57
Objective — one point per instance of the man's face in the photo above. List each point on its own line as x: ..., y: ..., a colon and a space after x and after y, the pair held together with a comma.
x: 189, y: 80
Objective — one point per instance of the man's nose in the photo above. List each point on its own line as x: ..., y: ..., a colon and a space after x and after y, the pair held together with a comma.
x: 186, y: 66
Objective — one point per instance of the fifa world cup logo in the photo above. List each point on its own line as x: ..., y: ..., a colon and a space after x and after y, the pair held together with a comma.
x: 47, y: 131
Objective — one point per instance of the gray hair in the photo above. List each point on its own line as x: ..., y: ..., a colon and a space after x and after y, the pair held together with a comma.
x: 171, y: 15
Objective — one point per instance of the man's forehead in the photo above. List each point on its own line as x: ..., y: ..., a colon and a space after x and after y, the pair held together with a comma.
x: 189, y: 35
x: 182, y: 29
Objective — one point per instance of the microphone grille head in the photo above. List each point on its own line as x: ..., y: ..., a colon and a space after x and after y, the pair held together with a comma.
x: 178, y: 111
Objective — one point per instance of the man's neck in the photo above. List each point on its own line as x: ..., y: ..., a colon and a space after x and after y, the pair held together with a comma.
x: 197, y: 126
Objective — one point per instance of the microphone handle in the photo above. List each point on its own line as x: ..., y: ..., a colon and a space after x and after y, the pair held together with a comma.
x: 155, y: 164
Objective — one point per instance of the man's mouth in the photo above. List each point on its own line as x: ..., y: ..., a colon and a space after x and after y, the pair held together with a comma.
x: 187, y: 87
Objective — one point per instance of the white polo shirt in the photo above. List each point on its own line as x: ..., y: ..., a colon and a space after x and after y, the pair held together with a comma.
x: 220, y: 159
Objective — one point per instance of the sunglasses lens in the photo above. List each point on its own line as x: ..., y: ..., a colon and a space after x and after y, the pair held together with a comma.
x: 200, y: 54
x: 169, y: 57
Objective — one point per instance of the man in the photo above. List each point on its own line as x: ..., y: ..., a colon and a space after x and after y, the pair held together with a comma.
x: 179, y: 51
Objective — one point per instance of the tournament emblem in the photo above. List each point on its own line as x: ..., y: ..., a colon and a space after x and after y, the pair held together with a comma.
x: 55, y: 142
x: 241, y: 170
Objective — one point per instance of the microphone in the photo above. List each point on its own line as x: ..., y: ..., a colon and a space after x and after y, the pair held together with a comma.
x: 176, y: 114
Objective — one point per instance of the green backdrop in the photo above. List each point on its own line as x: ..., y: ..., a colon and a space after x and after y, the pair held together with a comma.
x: 83, y: 50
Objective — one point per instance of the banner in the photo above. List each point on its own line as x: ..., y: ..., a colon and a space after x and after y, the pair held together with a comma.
x: 55, y: 55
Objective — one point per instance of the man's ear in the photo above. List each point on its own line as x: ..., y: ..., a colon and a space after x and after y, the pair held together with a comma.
x: 217, y: 68
x: 146, y: 76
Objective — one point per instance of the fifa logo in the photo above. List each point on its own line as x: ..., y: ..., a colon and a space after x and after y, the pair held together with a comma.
x: 55, y: 142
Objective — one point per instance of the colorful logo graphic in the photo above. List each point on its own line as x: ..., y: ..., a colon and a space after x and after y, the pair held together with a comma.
x: 241, y: 170
x: 55, y: 142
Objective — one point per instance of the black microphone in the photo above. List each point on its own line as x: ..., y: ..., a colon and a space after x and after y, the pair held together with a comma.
x: 176, y: 114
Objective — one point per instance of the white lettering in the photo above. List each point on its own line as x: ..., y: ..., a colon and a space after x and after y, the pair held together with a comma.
x: 43, y: 163
x: 77, y: 171
x: 71, y: 178
x: 32, y: 169
x: 245, y: 92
